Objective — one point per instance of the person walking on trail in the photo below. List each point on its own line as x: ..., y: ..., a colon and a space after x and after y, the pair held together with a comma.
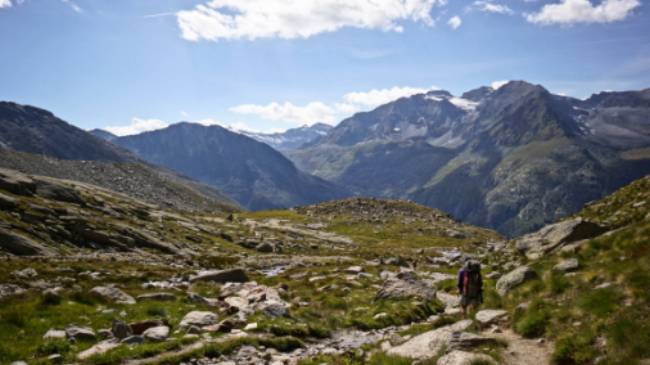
x: 470, y: 286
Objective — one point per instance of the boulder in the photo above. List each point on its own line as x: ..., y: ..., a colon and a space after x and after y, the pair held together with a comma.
x: 112, y: 294
x: 20, y: 245
x: 27, y: 273
x: 265, y: 247
x: 8, y: 290
x: 487, y: 316
x: 427, y: 345
x: 514, y: 279
x: 406, y: 285
x: 7, y: 202
x: 221, y: 276
x: 554, y: 236
x: 138, y: 328
x: 16, y: 183
x: 458, y: 357
x: 198, y: 318
x: 58, y: 192
x: 80, y: 333
x: 120, y: 329
x: 248, y: 298
x: 156, y: 334
x: 567, y: 265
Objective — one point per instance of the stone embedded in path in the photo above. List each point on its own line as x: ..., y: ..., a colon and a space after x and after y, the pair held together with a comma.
x: 159, y: 333
x: 514, y: 278
x: 487, y: 316
x: 198, y: 318
x: 221, y: 276
x: 427, y: 345
x: 567, y: 265
x: 112, y: 294
x: 458, y: 357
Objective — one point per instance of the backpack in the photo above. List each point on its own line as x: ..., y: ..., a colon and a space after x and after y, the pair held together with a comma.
x: 473, y: 281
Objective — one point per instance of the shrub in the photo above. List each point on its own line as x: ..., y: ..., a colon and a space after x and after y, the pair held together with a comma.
x: 532, y: 322
x: 600, y: 302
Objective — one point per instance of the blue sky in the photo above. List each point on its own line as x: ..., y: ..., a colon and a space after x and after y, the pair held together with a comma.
x: 133, y: 65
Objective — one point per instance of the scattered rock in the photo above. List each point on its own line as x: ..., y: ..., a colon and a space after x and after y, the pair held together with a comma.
x: 120, y: 329
x: 222, y: 276
x: 353, y: 270
x: 156, y: 296
x: 138, y: 328
x: 198, y: 318
x: 80, y: 333
x: 265, y: 247
x: 514, y: 279
x: 487, y: 316
x: 8, y: 290
x: 53, y: 295
x: 54, y: 334
x: 156, y: 334
x: 567, y: 265
x: 27, y: 273
x: 449, y: 300
x: 406, y: 285
x: 97, y: 349
x: 466, y: 340
x: 112, y: 294
x: 428, y: 344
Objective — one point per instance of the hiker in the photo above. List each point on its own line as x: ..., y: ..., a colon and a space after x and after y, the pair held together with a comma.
x: 470, y: 285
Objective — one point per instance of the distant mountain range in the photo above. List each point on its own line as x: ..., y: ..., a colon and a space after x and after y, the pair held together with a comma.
x: 291, y: 138
x: 513, y: 158
x: 34, y: 141
x: 252, y: 173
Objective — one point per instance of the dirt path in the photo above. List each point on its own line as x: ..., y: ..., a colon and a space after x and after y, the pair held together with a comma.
x: 523, y: 351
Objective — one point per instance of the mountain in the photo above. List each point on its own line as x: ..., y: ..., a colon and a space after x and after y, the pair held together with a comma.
x: 512, y: 159
x: 251, y: 172
x: 291, y: 138
x: 105, y: 135
x: 34, y: 141
x: 29, y: 129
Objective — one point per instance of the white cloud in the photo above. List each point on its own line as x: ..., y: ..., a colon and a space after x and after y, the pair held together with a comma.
x: 491, y: 7
x: 253, y: 19
x: 137, y: 125
x: 5, y: 4
x: 377, y: 97
x: 311, y: 113
x: 569, y: 12
x: 454, y: 22
x: 497, y: 84
x: 318, y: 111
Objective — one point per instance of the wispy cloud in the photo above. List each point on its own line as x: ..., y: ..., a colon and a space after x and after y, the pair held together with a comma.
x: 5, y: 4
x: 568, y: 12
x: 159, y: 15
x: 73, y: 6
x: 490, y: 7
x: 254, y: 19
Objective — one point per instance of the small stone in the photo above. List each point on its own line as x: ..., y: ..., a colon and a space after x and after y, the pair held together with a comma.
x: 27, y: 273
x: 567, y: 265
x: 120, y: 329
x: 198, y: 318
x: 112, y: 294
x: 80, y: 333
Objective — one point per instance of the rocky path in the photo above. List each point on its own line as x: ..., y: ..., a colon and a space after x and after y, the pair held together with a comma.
x: 523, y: 351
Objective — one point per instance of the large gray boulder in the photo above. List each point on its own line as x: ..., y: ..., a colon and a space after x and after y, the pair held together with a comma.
x: 406, y: 285
x: 222, y: 276
x: 112, y: 294
x: 199, y: 318
x: 554, y: 236
x: 428, y: 344
x: 514, y: 278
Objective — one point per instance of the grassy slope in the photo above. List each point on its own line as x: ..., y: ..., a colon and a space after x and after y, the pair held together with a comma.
x: 602, y: 311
